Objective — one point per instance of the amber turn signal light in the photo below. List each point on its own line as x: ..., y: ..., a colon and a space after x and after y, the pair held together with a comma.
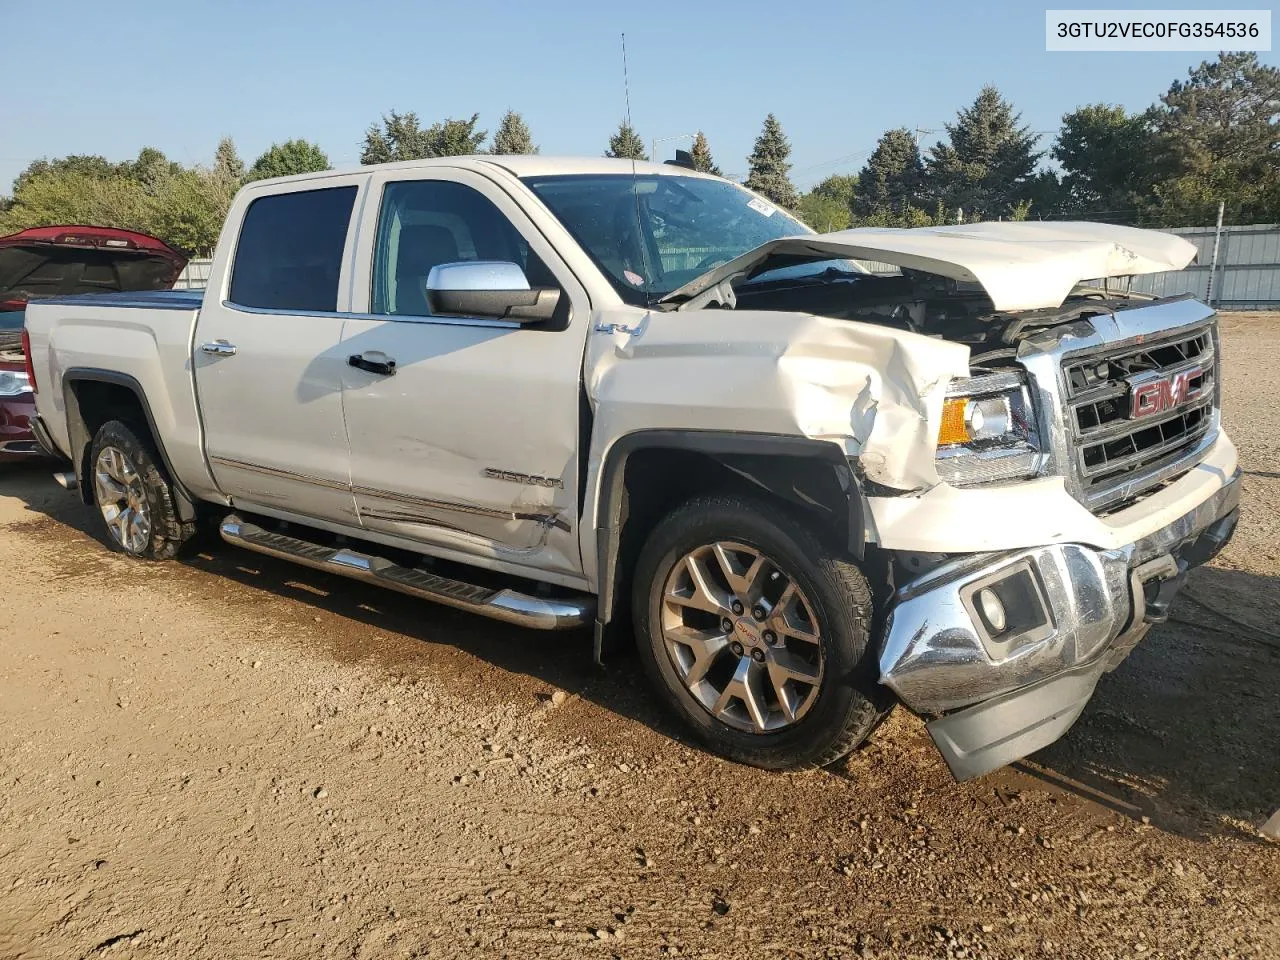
x: 954, y: 428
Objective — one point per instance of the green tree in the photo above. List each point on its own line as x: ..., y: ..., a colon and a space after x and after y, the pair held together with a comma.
x: 190, y: 209
x: 769, y: 165
x: 1046, y: 197
x: 701, y: 154
x: 891, y: 181
x: 455, y: 138
x: 1110, y: 160
x: 67, y: 195
x: 513, y: 136
x: 988, y: 164
x: 227, y: 162
x: 401, y: 137
x: 92, y: 166
x: 151, y: 169
x: 626, y: 144
x: 1220, y: 136
x: 288, y: 159
x: 826, y: 206
x: 185, y: 207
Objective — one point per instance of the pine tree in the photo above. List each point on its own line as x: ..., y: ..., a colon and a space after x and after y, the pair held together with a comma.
x: 892, y: 179
x: 513, y: 136
x: 987, y: 166
x: 401, y: 137
x: 626, y: 143
x: 1220, y: 134
x: 701, y: 154
x: 227, y: 163
x: 455, y: 138
x: 769, y: 165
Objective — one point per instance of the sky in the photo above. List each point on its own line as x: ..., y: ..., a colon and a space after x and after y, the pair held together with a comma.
x: 180, y: 75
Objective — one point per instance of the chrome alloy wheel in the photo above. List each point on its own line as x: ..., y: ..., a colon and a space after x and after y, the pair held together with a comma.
x: 122, y: 499
x: 742, y: 636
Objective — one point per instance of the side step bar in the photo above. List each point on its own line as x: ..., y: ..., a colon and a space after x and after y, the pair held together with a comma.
x: 511, y: 606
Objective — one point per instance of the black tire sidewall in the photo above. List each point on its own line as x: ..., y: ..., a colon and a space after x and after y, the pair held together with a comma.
x: 849, y: 694
x: 166, y: 528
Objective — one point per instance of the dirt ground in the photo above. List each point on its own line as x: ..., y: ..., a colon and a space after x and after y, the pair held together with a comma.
x: 230, y: 756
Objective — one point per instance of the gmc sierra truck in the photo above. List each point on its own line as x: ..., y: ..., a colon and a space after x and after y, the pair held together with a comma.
x: 956, y: 467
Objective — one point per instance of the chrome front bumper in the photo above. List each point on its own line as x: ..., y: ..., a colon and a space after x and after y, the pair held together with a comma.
x: 1070, y: 614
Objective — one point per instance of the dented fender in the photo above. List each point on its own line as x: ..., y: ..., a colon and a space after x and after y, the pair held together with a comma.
x: 875, y: 392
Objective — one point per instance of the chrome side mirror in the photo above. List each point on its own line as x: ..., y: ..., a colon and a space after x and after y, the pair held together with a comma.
x: 489, y: 289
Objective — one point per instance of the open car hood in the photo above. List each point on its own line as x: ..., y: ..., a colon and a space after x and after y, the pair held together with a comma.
x: 1026, y: 265
x: 59, y: 261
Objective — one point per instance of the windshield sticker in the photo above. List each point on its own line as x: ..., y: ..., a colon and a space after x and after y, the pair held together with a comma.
x: 761, y: 207
x: 633, y: 278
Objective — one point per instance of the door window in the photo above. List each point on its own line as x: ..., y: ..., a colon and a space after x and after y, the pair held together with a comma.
x: 289, y: 255
x: 424, y: 223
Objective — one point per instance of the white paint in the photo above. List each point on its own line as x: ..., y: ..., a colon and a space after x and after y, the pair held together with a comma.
x: 1021, y: 266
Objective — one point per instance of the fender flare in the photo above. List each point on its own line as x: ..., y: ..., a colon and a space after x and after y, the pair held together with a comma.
x: 80, y: 439
x: 732, y: 450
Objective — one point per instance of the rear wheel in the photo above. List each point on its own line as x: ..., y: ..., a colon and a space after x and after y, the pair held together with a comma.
x: 134, y: 494
x: 757, y: 634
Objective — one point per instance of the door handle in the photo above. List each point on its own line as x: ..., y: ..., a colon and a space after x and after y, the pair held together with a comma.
x: 374, y: 361
x: 219, y: 348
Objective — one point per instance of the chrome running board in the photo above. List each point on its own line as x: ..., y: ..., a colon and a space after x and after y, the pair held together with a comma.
x: 511, y: 606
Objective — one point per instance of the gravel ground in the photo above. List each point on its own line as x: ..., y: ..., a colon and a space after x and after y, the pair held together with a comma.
x: 233, y: 757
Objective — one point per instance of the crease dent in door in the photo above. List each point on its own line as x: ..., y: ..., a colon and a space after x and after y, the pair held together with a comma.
x: 521, y: 527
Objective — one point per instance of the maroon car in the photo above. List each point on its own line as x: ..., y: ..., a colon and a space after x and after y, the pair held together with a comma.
x: 58, y: 261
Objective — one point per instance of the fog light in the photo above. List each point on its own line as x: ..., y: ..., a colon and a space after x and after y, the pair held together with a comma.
x: 992, y: 610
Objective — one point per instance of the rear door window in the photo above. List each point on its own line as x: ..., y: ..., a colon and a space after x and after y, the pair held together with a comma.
x: 289, y: 255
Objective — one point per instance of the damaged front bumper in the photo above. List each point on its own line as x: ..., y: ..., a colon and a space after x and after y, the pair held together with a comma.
x: 1005, y: 649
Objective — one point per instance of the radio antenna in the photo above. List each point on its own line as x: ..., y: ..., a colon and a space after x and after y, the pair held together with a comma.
x: 635, y: 184
x: 626, y: 80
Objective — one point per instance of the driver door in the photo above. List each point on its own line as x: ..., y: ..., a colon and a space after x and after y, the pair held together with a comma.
x: 471, y: 444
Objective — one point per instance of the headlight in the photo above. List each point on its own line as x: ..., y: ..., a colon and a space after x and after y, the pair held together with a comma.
x: 988, y: 431
x: 14, y: 383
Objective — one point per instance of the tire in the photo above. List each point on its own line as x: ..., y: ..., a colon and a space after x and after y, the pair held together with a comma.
x: 820, y: 721
x: 132, y: 480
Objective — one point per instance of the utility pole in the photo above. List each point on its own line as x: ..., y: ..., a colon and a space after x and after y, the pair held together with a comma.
x: 1213, y: 266
x: 920, y: 130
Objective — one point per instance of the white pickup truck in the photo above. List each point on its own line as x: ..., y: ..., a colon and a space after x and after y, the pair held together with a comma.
x: 559, y: 392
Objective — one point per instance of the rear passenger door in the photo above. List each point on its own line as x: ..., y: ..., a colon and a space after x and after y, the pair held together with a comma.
x: 268, y: 355
x: 472, y: 444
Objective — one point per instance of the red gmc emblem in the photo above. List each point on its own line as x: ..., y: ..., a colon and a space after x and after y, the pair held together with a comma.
x: 1152, y: 393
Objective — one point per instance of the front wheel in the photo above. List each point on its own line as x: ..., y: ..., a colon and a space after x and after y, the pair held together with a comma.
x: 134, y: 494
x: 757, y: 634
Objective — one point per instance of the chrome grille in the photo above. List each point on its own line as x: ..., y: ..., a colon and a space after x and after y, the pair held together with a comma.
x: 1135, y: 413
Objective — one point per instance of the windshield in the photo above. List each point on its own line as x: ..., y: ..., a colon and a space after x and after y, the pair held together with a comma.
x: 651, y: 234
x: 11, y: 319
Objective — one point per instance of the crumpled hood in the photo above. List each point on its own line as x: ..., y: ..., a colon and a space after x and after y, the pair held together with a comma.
x: 1027, y: 265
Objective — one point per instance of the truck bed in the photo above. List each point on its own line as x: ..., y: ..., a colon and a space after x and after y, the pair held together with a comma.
x: 142, y: 338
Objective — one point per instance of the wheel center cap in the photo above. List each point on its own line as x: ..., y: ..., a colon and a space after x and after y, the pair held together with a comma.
x: 747, y: 632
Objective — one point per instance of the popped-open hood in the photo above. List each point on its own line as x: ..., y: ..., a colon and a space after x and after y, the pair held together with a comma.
x: 1022, y: 266
x: 59, y: 261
